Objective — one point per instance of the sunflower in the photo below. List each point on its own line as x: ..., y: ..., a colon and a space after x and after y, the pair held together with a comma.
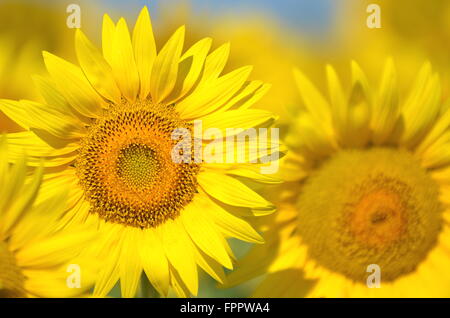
x: 36, y: 255
x: 106, y: 130
x: 366, y: 194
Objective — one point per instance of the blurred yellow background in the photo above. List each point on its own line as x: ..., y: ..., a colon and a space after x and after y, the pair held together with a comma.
x: 274, y: 36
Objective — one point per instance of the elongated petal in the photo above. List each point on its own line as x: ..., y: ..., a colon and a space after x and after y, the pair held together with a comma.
x: 213, y: 94
x: 422, y: 106
x: 109, y: 273
x: 231, y: 191
x: 4, y: 166
x: 386, y: 111
x: 130, y: 263
x: 438, y: 153
x: 155, y: 262
x: 190, y: 67
x: 123, y: 63
x: 210, y: 266
x: 245, y: 119
x: 309, y: 137
x: 53, y: 98
x: 251, y: 93
x: 74, y: 86
x: 95, y: 67
x: 215, y: 62
x: 27, y: 197
x: 165, y: 67
x: 108, y: 33
x: 178, y: 249
x: 314, y: 102
x: 202, y: 232
x: 338, y: 102
x: 31, y: 115
x: 229, y: 224
x: 437, y: 131
x: 358, y: 76
x: 52, y: 250
x: 144, y: 50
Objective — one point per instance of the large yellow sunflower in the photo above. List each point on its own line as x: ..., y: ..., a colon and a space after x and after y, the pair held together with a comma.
x: 106, y: 130
x: 37, y: 257
x: 368, y: 181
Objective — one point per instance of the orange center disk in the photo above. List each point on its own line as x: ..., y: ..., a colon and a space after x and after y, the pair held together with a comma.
x: 378, y: 218
x: 126, y: 169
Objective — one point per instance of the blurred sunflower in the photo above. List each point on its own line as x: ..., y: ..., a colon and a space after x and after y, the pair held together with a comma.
x: 406, y: 34
x: 34, y: 252
x: 106, y: 130
x: 368, y: 184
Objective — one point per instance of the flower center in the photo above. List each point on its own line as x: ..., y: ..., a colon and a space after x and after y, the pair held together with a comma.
x: 11, y: 277
x: 126, y: 169
x: 365, y: 207
x: 137, y: 166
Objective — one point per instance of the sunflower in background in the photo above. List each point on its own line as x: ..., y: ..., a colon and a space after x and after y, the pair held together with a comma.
x: 411, y: 31
x: 368, y: 177
x: 106, y: 132
x: 35, y: 253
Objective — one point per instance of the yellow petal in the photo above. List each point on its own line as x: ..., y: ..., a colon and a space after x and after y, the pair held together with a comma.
x: 314, y: 102
x: 251, y: 93
x: 33, y: 115
x: 109, y: 273
x: 437, y: 154
x: 130, y: 263
x: 74, y: 86
x: 215, y: 63
x: 95, y: 67
x: 231, y: 191
x: 53, y: 250
x: 178, y: 248
x: 210, y: 266
x: 358, y: 118
x: 35, y: 146
x: 23, y: 202
x: 53, y: 98
x: 229, y: 224
x: 165, y: 67
x: 190, y: 67
x: 202, y: 231
x: 338, y: 102
x: 4, y: 166
x: 358, y: 76
x: 240, y: 118
x: 122, y: 62
x: 309, y: 137
x: 144, y: 50
x: 250, y: 171
x: 421, y: 107
x: 154, y: 261
x: 386, y: 110
x: 13, y: 185
x: 108, y: 33
x: 213, y: 94
x: 439, y: 128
